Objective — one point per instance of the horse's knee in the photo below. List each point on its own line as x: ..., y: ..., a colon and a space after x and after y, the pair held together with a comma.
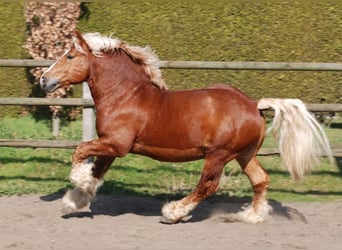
x: 80, y: 153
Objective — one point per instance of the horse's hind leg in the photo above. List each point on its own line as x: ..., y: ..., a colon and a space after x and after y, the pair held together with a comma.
x: 176, y: 210
x: 259, y: 180
x: 87, y: 179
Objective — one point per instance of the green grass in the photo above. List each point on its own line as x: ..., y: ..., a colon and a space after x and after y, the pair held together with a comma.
x: 45, y: 171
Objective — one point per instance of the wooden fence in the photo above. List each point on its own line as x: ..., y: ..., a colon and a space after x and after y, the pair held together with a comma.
x: 279, y: 66
x: 87, y: 103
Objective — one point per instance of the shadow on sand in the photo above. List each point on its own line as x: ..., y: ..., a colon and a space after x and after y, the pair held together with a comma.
x: 222, y: 210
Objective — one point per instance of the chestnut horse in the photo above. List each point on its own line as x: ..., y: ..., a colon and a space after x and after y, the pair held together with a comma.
x: 136, y: 113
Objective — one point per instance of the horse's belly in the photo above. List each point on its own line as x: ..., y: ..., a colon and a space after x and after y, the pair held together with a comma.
x: 168, y: 154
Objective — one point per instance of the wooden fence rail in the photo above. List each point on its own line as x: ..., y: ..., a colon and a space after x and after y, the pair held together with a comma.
x: 13, y: 101
x: 235, y: 65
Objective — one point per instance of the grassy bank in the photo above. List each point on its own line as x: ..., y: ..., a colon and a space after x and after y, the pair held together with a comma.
x: 45, y: 171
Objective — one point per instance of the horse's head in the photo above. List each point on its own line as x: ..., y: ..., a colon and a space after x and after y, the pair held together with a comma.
x: 71, y: 68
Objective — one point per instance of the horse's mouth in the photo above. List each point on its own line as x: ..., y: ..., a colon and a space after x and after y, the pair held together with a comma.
x: 52, y: 87
x: 49, y: 85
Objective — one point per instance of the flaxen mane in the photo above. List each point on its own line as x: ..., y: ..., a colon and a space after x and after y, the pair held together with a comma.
x: 101, y: 44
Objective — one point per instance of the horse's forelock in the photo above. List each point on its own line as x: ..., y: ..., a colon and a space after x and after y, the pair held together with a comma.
x: 101, y: 44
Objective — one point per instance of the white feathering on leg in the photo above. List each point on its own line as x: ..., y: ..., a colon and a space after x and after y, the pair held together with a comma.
x: 81, y: 176
x: 174, y: 211
x: 252, y: 215
x: 86, y: 184
x: 74, y: 200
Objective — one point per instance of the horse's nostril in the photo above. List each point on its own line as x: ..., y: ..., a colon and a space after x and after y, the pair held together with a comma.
x: 43, y: 81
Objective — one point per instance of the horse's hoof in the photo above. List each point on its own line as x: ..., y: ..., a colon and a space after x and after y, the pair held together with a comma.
x: 74, y: 200
x: 165, y: 220
x: 67, y: 209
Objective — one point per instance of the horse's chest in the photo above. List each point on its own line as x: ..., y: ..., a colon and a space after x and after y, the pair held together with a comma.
x: 116, y: 122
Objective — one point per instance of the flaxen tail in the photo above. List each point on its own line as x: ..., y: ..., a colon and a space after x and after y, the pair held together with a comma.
x: 302, y: 140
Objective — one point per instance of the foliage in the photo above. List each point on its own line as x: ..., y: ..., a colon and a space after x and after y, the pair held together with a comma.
x: 13, y: 81
x: 49, y: 27
x: 213, y: 31
x: 45, y: 171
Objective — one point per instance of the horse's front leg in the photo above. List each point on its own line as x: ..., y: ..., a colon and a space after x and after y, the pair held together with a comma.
x: 87, y: 176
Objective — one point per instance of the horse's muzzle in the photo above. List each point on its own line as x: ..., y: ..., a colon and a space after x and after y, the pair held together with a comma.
x: 48, y: 85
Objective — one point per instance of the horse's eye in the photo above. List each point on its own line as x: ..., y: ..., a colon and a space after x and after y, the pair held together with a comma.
x: 70, y: 57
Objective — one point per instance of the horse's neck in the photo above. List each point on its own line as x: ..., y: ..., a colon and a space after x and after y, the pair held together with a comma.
x: 115, y: 79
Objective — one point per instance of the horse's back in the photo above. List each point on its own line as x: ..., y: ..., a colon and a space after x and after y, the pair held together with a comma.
x: 218, y: 100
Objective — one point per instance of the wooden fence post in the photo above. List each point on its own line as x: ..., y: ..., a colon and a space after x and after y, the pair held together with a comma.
x: 55, y: 125
x: 88, y: 119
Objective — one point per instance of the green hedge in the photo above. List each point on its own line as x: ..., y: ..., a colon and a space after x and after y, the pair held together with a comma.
x: 236, y: 31
x: 295, y: 32
x: 13, y: 81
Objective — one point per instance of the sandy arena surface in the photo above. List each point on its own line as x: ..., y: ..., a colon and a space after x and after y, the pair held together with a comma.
x: 34, y: 222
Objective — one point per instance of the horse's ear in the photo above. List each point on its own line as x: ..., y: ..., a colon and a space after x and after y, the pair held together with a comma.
x: 79, y: 42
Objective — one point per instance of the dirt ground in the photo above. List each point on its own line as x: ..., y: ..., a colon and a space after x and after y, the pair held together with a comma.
x: 33, y: 222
